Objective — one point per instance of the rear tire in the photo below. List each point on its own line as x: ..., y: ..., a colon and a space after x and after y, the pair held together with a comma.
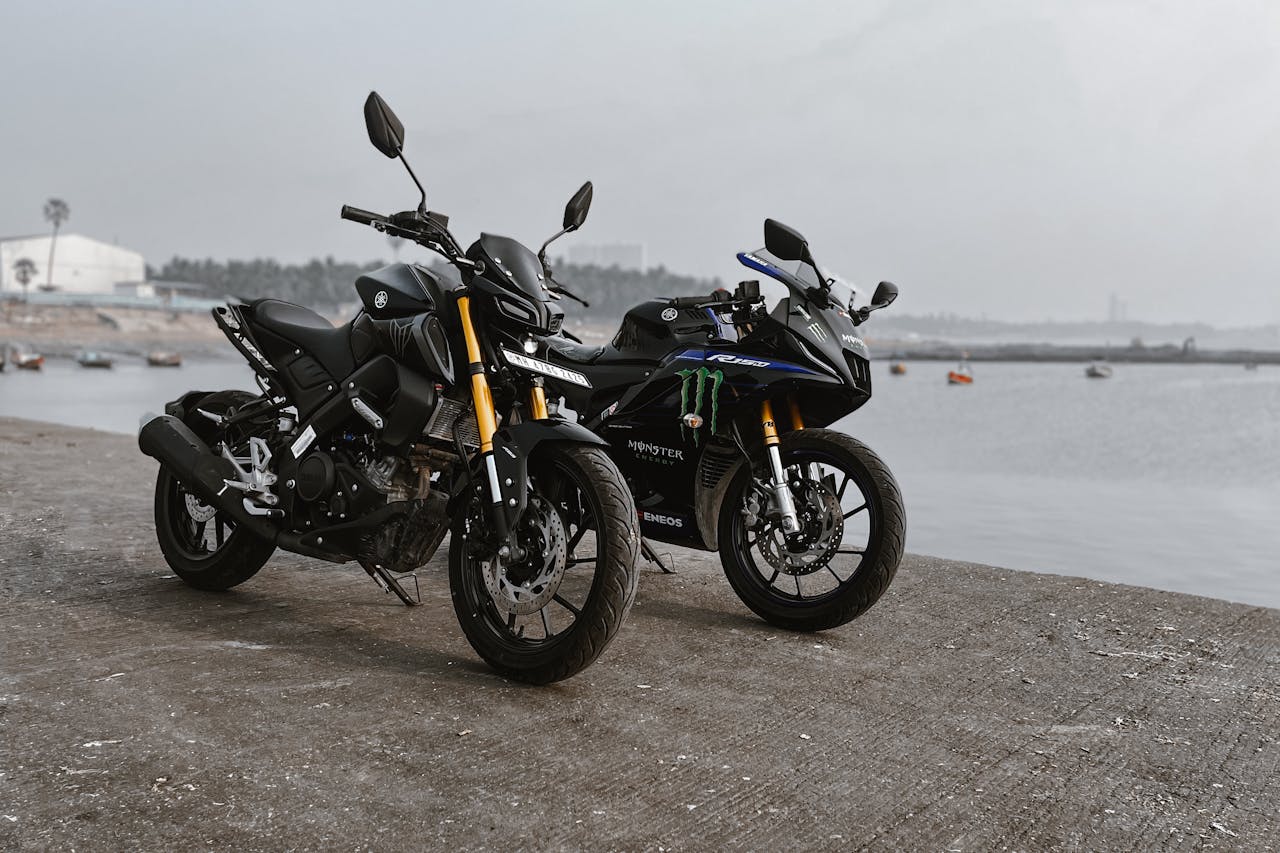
x: 596, y: 526
x: 748, y: 570
x: 204, y: 547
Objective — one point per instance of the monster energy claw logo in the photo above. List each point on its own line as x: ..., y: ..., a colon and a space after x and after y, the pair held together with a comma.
x: 698, y: 379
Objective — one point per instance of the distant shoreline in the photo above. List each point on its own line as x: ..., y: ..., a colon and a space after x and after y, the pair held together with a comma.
x: 1068, y: 353
x: 62, y: 331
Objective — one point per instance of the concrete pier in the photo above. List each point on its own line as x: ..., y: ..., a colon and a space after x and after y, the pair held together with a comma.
x: 973, y: 708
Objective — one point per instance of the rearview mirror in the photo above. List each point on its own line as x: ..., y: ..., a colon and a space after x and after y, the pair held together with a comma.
x: 886, y: 292
x: 785, y: 242
x: 575, y: 212
x: 385, y: 130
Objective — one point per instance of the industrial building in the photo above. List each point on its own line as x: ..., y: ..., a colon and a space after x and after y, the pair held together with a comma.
x: 80, y: 265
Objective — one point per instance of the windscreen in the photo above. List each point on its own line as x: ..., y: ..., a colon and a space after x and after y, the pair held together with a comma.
x: 843, y: 292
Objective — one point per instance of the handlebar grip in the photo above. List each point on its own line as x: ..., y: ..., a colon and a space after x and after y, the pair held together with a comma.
x: 689, y: 301
x: 364, y: 217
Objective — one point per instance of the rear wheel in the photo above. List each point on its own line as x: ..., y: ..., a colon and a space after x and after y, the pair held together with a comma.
x: 203, y: 546
x: 550, y: 615
x: 851, y: 537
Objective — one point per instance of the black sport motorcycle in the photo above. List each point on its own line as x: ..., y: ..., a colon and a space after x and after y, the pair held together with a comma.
x: 366, y: 444
x: 715, y: 409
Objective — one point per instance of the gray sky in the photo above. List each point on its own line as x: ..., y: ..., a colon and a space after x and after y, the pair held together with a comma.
x: 1018, y: 159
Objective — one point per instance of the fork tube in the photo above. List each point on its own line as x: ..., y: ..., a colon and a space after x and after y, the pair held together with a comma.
x: 486, y: 420
x: 538, y: 400
x: 797, y: 422
x: 781, y: 492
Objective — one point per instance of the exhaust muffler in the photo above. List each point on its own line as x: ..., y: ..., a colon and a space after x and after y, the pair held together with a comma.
x: 169, y: 440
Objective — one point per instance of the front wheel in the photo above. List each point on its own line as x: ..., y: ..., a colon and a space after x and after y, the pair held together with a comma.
x: 550, y: 614
x: 851, y: 537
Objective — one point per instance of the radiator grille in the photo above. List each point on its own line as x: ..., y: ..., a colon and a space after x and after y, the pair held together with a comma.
x: 713, y: 467
x: 448, y: 413
x: 861, y: 370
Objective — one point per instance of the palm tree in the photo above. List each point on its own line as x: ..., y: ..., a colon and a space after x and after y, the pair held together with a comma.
x: 24, y: 269
x: 396, y: 243
x: 56, y: 211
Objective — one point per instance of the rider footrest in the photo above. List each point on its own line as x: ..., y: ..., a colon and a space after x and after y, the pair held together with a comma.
x: 390, y: 583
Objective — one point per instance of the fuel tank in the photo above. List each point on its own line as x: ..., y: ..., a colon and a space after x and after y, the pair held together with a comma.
x: 405, y: 290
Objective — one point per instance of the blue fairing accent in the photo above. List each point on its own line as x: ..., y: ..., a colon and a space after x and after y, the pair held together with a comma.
x: 761, y: 265
x: 729, y: 358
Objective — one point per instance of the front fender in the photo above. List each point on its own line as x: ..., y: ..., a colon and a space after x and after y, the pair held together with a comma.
x: 512, y: 447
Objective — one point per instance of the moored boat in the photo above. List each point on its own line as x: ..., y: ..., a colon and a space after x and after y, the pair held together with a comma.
x: 94, y: 359
x: 162, y: 358
x: 898, y: 368
x: 28, y: 360
x: 962, y: 375
x: 1098, y: 370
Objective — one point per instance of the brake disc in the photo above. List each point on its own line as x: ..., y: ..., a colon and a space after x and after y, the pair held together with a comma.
x: 541, y: 570
x: 198, y: 509
x: 821, y: 528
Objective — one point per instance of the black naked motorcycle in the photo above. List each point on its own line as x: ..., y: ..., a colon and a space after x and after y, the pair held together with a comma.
x: 715, y: 409
x: 367, y: 444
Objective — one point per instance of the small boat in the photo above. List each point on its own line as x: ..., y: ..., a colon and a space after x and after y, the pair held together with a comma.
x: 898, y: 368
x: 160, y: 358
x: 94, y: 359
x: 1098, y: 370
x: 962, y: 375
x: 28, y: 360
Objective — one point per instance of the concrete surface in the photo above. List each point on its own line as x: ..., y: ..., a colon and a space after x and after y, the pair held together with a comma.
x: 972, y: 709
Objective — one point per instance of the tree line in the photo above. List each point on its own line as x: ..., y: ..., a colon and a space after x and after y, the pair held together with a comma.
x: 328, y: 283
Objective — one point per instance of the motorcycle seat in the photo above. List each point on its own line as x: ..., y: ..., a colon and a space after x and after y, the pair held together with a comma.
x: 574, y: 353
x: 331, y: 346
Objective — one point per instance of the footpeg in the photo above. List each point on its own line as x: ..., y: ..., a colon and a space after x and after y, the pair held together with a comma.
x: 390, y: 583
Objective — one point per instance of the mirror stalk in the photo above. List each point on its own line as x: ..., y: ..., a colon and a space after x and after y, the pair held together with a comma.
x: 542, y: 253
x: 422, y: 205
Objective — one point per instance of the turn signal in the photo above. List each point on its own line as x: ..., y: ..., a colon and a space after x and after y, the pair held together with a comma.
x: 692, y: 421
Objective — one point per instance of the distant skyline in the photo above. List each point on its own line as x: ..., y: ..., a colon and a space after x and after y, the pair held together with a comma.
x: 1018, y: 160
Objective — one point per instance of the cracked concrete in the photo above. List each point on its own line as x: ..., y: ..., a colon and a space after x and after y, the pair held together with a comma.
x: 973, y: 708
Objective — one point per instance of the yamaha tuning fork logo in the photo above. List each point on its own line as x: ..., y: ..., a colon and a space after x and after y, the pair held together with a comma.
x: 380, y: 301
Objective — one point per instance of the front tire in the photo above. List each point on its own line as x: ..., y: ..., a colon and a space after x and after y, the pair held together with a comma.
x: 204, y: 547
x: 551, y: 615
x: 851, y: 540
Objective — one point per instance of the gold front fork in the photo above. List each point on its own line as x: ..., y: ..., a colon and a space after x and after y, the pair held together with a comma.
x: 770, y: 428
x: 486, y: 418
x: 487, y: 425
x: 538, y: 401
x: 784, y: 504
x: 797, y: 422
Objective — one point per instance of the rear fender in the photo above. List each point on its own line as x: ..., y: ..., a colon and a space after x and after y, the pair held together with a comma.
x: 186, y: 404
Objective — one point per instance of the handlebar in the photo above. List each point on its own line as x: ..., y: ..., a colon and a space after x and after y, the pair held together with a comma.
x: 364, y: 217
x: 721, y: 302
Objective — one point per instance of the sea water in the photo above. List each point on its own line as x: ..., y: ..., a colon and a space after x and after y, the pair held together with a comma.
x: 1163, y: 475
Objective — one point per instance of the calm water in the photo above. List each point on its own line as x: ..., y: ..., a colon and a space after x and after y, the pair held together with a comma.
x: 1164, y: 476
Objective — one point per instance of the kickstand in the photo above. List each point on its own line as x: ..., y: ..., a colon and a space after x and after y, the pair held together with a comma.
x: 652, y: 556
x: 390, y: 583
